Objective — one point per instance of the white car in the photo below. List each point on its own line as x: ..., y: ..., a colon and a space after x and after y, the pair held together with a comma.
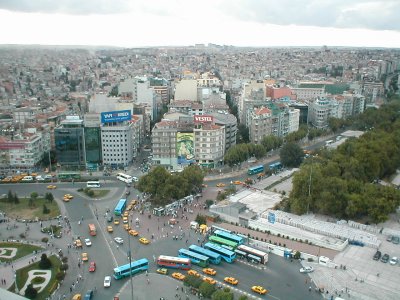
x: 119, y: 240
x: 135, y: 179
x: 394, y: 260
x: 107, y: 281
x: 88, y: 242
x: 307, y: 269
x: 39, y: 178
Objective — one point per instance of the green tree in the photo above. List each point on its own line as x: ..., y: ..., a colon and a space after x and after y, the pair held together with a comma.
x: 222, y: 295
x: 30, y: 292
x: 271, y: 142
x: 46, y: 210
x: 243, y: 135
x: 206, y: 289
x: 201, y: 219
x: 10, y: 196
x: 16, y: 199
x: 44, y: 262
x: 291, y: 155
x: 49, y: 197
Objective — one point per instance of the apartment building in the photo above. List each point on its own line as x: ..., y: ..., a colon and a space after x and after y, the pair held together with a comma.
x: 164, y: 144
x: 308, y: 91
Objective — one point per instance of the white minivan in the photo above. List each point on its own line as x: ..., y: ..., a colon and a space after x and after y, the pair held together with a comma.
x: 27, y: 178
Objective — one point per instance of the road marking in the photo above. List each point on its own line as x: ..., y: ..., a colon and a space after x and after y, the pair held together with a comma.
x: 102, y: 233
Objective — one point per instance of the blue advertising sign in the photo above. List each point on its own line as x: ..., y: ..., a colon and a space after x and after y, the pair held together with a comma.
x: 116, y: 116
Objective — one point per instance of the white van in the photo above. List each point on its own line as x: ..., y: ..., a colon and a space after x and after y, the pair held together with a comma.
x: 27, y: 178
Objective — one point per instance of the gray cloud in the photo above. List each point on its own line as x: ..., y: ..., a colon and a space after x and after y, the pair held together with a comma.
x: 370, y: 14
x: 76, y: 7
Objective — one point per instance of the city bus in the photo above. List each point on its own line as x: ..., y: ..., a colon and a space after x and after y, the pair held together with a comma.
x: 251, y: 253
x: 174, y: 262
x: 195, y: 258
x: 255, y: 170
x: 213, y: 257
x: 220, y: 241
x: 275, y: 166
x: 69, y: 175
x: 92, y: 229
x: 124, y: 177
x: 229, y: 236
x: 119, y: 209
x: 226, y: 254
x: 94, y: 184
x: 132, y: 268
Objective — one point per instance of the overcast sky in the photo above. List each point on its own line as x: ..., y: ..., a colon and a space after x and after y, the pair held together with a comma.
x: 137, y: 23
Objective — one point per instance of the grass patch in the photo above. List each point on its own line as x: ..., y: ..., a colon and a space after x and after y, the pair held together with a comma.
x: 22, y: 277
x: 22, y: 250
x: 22, y: 210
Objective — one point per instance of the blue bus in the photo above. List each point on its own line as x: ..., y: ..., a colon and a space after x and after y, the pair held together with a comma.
x: 229, y: 236
x: 194, y: 257
x: 119, y: 209
x: 275, y: 166
x: 213, y: 257
x: 255, y: 170
x: 226, y: 254
x: 132, y: 268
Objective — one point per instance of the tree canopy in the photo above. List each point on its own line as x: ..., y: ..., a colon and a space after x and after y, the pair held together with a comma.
x: 164, y: 187
x: 344, y: 182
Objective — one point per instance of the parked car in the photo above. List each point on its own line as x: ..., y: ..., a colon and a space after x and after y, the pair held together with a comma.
x: 389, y: 238
x: 395, y: 240
x: 307, y: 269
x: 377, y: 255
x: 385, y: 258
x: 394, y: 260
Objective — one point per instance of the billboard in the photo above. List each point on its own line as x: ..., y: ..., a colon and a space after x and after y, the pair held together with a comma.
x: 203, y: 119
x: 116, y: 116
x: 185, y: 147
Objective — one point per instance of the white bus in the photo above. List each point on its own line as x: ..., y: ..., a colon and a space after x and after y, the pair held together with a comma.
x: 91, y: 184
x: 124, y: 177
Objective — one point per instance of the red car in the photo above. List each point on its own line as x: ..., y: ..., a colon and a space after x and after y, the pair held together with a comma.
x: 92, y: 266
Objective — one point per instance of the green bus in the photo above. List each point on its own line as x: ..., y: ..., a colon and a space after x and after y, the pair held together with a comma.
x: 222, y: 242
x: 69, y: 175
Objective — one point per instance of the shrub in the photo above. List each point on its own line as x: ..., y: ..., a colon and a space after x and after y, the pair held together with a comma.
x: 22, y: 235
x: 38, y: 280
x: 64, y: 267
x: 45, y: 210
x: 64, y: 259
x: 60, y: 276
x: 297, y: 255
x: 30, y: 292
x: 45, y: 262
x: 45, y: 240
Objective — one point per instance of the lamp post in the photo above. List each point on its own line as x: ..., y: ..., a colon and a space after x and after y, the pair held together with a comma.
x: 130, y: 261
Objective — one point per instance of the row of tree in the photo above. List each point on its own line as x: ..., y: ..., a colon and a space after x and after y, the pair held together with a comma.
x: 344, y: 182
x: 164, y: 187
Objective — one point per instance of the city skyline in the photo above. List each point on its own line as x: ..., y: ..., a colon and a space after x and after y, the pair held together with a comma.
x: 252, y: 23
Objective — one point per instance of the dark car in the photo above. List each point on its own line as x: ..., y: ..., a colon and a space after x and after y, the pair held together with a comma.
x: 377, y: 255
x: 385, y: 258
x: 395, y: 240
x: 89, y: 295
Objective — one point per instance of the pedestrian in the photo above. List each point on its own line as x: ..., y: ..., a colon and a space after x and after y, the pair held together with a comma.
x: 177, y: 287
x: 309, y: 289
x: 148, y: 281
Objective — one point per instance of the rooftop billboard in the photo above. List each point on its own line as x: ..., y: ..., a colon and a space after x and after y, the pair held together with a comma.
x: 116, y: 116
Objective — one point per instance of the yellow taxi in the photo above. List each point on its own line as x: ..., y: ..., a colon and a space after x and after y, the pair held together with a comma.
x: 178, y: 276
x: 209, y: 271
x: 209, y: 280
x: 144, y: 241
x: 69, y: 196
x: 51, y: 187
x: 78, y: 243
x: 77, y: 297
x: 231, y: 280
x: 193, y: 273
x: 116, y: 222
x: 66, y: 199
x: 259, y: 289
x: 125, y: 220
x: 133, y: 202
x: 220, y: 184
x: 129, y: 207
x: 85, y: 256
x: 110, y: 229
x: 237, y: 182
x: 162, y: 271
x: 133, y: 232
x: 127, y: 227
x: 126, y: 214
